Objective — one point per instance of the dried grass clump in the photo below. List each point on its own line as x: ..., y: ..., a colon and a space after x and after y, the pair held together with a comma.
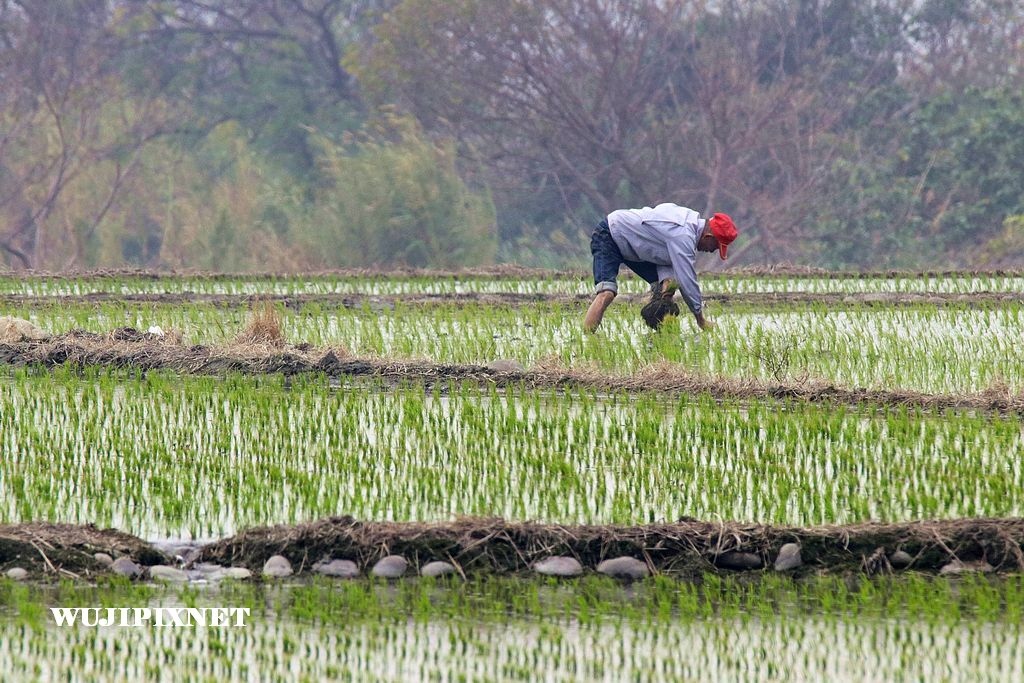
x: 263, y: 328
x: 13, y: 330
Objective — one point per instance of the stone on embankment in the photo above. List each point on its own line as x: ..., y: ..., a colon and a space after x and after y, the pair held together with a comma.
x: 437, y: 568
x: 559, y: 565
x: 506, y: 365
x: 208, y: 569
x: 900, y: 559
x: 390, y: 567
x: 162, y: 572
x: 789, y: 557
x: 237, y: 573
x: 17, y: 574
x: 124, y: 566
x: 339, y: 569
x: 277, y: 567
x: 737, y: 560
x: 103, y: 558
x: 624, y: 568
x: 957, y: 567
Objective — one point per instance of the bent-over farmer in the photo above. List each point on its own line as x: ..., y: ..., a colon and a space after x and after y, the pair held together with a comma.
x: 659, y: 244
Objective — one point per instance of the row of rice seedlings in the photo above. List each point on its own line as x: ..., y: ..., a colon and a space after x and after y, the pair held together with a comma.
x: 200, y: 458
x: 910, y: 284
x: 934, y: 350
x: 513, y: 630
x: 722, y: 283
x: 296, y: 285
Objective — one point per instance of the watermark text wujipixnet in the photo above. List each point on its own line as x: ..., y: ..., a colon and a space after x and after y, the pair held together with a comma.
x: 215, y: 617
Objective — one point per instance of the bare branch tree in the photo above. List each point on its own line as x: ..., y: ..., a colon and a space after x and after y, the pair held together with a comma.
x: 62, y: 86
x: 724, y: 106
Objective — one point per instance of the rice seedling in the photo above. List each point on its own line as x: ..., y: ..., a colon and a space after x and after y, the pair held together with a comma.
x: 536, y: 283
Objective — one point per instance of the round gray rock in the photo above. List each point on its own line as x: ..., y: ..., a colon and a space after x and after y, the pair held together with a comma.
x: 900, y: 559
x: 738, y: 561
x: 789, y: 557
x: 238, y: 573
x: 390, y: 567
x: 104, y: 559
x: 559, y: 565
x: 624, y: 568
x: 17, y: 574
x: 504, y: 365
x: 958, y: 567
x: 339, y: 569
x: 277, y: 567
x: 162, y: 572
x: 206, y: 571
x: 437, y: 568
x: 124, y: 566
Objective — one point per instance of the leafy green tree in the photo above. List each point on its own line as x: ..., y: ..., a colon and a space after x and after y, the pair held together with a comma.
x: 942, y: 188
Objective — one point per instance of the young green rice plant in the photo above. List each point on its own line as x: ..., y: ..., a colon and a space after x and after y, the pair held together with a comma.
x: 540, y: 283
x: 180, y: 457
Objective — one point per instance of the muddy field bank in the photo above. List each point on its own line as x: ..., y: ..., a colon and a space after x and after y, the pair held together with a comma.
x: 685, y: 549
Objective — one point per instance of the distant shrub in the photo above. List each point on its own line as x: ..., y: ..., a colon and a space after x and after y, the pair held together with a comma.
x: 395, y: 198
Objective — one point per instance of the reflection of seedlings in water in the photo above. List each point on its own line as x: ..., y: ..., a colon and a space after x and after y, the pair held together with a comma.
x: 508, y: 628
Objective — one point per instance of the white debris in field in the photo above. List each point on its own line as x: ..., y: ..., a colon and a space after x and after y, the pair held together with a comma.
x: 156, y: 329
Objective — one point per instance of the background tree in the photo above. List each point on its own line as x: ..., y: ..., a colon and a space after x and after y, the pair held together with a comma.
x: 238, y: 135
x: 274, y: 66
x: 65, y: 114
x: 724, y: 109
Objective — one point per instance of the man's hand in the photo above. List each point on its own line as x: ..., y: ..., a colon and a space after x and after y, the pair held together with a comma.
x: 704, y: 323
x: 596, y: 311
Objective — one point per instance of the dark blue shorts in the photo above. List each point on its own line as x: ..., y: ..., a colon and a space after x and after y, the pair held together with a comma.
x: 608, y: 258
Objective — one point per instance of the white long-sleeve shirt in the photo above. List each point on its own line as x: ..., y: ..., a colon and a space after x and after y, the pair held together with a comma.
x: 665, y: 236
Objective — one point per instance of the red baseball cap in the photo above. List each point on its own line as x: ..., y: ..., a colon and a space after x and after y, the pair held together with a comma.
x: 724, y: 231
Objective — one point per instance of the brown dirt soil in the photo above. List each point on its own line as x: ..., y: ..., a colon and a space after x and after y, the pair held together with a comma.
x: 129, y: 349
x: 686, y: 548
x: 67, y: 549
x: 297, y: 301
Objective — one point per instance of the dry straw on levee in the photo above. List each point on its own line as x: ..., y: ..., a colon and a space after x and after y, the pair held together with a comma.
x: 263, y: 327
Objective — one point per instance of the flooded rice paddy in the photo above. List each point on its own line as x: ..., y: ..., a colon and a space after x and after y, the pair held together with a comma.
x: 950, y: 350
x: 190, y: 457
x: 175, y: 457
